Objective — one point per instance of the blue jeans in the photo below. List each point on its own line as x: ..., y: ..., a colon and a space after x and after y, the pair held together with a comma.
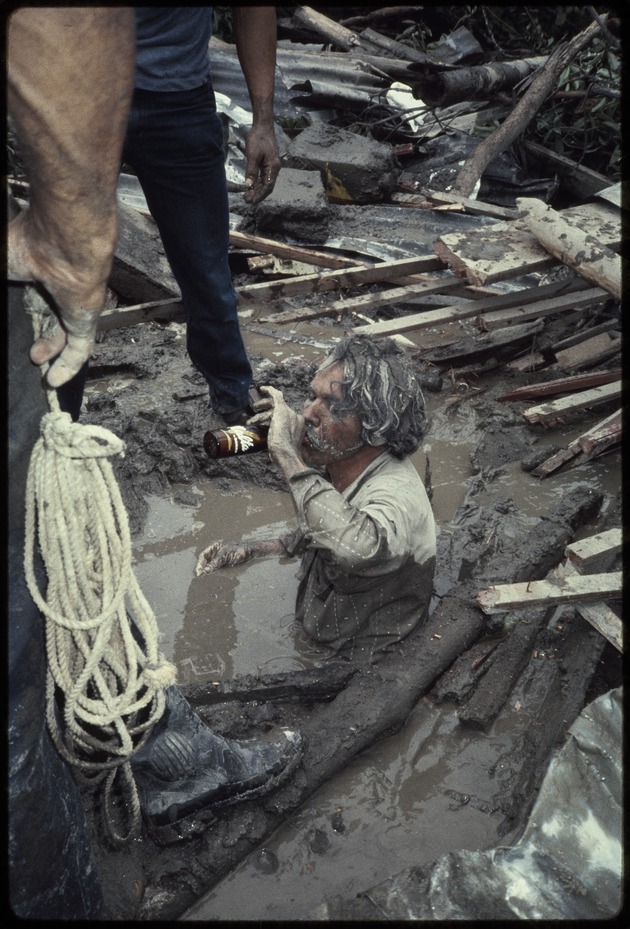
x: 52, y: 872
x: 175, y: 145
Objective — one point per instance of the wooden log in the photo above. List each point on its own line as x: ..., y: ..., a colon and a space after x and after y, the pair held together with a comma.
x: 582, y: 252
x: 446, y: 87
x: 605, y: 620
x: 458, y: 681
x: 584, y: 335
x: 561, y: 385
x: 584, y: 400
x: 524, y: 111
x: 387, y: 12
x: 309, y: 684
x: 511, y: 657
x: 506, y: 250
x: 334, y: 33
x: 596, y: 441
x: 395, y: 49
x: 603, y: 352
x: 590, y: 587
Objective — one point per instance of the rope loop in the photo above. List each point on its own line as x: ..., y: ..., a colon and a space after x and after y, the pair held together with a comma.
x: 74, y: 440
x: 106, y: 677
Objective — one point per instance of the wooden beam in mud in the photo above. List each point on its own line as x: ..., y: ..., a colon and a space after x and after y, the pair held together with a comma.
x: 508, y: 662
x: 601, y: 438
x: 585, y: 551
x: 515, y: 300
x: 335, y: 280
x: 586, y: 399
x: 169, y: 309
x: 570, y: 589
x: 599, y: 615
x: 561, y: 385
x: 497, y: 319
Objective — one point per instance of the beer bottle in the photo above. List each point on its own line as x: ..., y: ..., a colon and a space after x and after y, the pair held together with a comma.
x: 235, y: 440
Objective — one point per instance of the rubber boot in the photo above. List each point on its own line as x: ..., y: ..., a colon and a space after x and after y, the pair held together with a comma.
x: 186, y: 771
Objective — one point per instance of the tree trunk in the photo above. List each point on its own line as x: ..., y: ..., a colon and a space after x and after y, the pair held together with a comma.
x: 523, y: 112
x: 481, y: 81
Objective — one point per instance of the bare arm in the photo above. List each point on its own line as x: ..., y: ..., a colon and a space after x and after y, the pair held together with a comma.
x: 255, y: 30
x: 70, y: 80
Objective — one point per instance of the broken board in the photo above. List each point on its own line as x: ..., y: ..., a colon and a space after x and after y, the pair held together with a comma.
x: 585, y: 399
x: 569, y: 589
x: 498, y: 252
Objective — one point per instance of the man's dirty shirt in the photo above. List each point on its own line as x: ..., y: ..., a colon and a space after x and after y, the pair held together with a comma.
x: 368, y: 556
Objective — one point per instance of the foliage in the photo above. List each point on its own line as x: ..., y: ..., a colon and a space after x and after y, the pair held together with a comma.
x: 582, y: 118
x: 222, y: 24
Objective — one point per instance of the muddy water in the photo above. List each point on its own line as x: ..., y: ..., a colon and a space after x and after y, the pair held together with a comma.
x: 410, y: 798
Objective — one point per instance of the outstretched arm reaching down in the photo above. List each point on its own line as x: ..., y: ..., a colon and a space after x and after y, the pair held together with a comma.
x: 70, y: 80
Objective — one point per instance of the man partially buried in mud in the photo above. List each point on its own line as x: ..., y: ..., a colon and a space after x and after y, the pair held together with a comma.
x: 365, y: 532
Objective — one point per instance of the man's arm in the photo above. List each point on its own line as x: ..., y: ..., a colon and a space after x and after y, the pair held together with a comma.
x: 255, y: 29
x: 70, y: 80
x: 222, y: 554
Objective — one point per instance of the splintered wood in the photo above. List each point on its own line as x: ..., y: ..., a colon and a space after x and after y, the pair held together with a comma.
x: 506, y: 249
x: 567, y: 584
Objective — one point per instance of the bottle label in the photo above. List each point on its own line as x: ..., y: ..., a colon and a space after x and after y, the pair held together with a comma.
x: 240, y: 439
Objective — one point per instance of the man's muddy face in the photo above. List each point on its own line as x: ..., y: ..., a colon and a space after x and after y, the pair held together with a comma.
x: 328, y: 438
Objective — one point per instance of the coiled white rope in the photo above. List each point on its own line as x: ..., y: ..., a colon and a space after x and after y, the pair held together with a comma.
x: 105, y: 680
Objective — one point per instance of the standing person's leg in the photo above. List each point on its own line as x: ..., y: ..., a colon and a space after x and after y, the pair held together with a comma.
x: 52, y: 872
x: 175, y: 145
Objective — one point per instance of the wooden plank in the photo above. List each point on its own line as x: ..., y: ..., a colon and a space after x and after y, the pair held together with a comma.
x: 583, y: 181
x: 561, y: 385
x: 515, y: 300
x: 606, y: 434
x: 599, y: 615
x: 584, y: 400
x: 435, y: 200
x: 560, y: 304
x: 334, y: 280
x: 297, y: 253
x: 531, y: 362
x: 584, y: 551
x: 574, y: 355
x: 570, y: 589
x: 121, y: 317
x: 605, y: 620
x: 505, y: 250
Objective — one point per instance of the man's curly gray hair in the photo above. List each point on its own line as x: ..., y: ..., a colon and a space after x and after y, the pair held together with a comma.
x: 381, y: 387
